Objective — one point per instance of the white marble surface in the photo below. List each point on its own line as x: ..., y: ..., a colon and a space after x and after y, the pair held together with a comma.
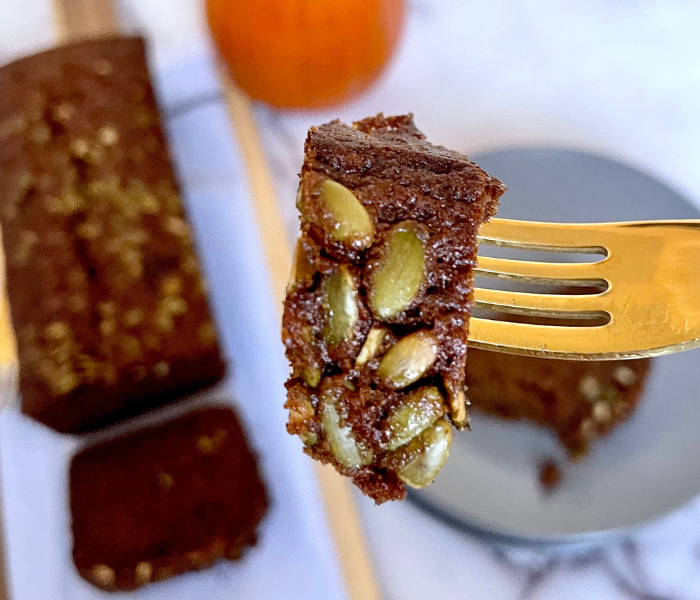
x: 621, y: 78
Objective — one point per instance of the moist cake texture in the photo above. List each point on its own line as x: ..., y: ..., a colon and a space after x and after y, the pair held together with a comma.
x: 580, y: 401
x: 376, y: 317
x: 165, y: 500
x: 106, y: 298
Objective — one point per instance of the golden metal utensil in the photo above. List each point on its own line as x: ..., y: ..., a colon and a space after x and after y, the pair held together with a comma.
x: 650, y: 275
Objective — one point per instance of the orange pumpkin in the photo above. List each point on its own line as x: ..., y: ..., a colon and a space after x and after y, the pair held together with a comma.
x: 305, y: 53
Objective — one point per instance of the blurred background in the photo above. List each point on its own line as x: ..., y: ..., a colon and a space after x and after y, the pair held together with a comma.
x: 618, y: 78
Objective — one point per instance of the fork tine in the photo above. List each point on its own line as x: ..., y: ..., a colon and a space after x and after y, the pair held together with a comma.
x: 541, y: 272
x: 541, y: 236
x: 541, y: 304
x: 545, y: 340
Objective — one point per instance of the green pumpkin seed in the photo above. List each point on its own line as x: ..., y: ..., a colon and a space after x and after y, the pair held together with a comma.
x: 374, y: 339
x: 422, y: 459
x: 311, y: 375
x: 340, y: 306
x: 457, y: 403
x: 341, y: 441
x: 352, y: 225
x: 399, y: 277
x: 408, y: 360
x: 417, y: 411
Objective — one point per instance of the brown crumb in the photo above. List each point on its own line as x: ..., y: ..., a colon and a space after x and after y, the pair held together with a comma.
x: 550, y: 475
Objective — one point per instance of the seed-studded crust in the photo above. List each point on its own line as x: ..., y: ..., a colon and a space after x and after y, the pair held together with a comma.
x: 107, y: 301
x: 425, y: 203
x: 580, y: 401
x: 165, y: 500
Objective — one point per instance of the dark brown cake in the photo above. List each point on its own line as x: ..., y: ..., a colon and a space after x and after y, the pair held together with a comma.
x: 165, y: 500
x: 550, y: 475
x: 375, y: 321
x: 107, y: 302
x: 579, y: 400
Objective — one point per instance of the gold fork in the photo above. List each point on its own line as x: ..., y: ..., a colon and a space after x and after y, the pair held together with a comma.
x: 650, y: 274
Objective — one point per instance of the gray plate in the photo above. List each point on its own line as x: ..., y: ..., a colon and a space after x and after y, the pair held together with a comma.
x: 649, y: 465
